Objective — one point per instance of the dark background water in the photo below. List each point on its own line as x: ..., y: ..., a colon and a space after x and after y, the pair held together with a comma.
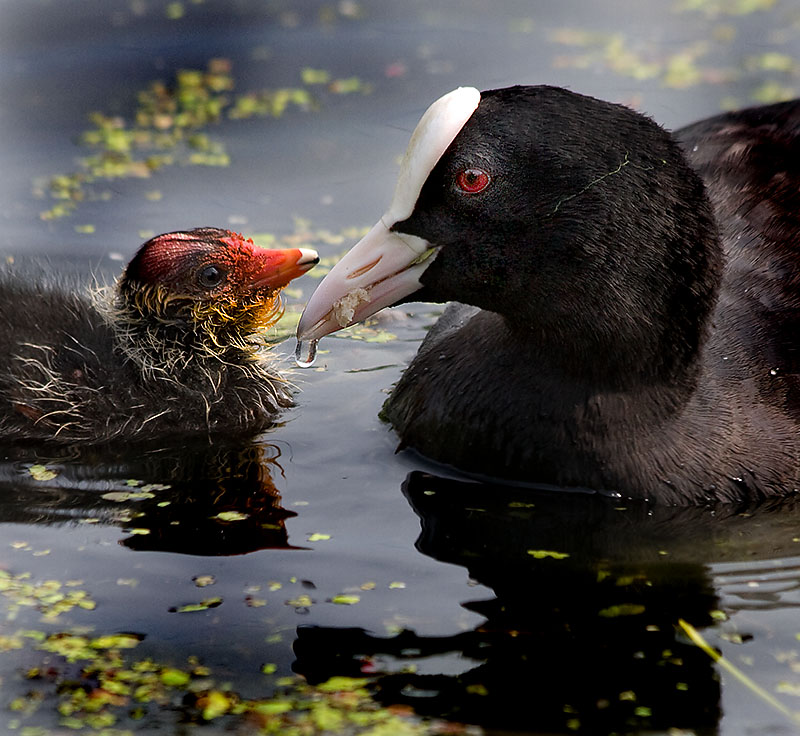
x: 495, y: 636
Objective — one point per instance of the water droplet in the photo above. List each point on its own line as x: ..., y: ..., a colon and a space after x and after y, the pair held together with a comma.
x: 305, y: 358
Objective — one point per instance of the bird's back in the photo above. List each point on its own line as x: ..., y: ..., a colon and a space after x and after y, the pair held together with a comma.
x: 56, y: 350
x: 750, y: 163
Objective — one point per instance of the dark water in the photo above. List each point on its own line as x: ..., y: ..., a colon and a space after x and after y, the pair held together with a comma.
x: 454, y: 614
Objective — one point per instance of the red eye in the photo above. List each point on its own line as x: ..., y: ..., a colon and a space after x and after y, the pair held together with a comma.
x: 472, y: 181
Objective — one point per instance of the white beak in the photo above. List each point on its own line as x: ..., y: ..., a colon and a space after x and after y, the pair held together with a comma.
x: 385, y: 266
x: 379, y: 270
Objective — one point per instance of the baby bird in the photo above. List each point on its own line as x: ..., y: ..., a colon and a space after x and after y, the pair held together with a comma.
x: 174, y: 348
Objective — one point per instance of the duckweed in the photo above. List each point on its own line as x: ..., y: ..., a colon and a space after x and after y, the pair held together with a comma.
x: 203, y: 605
x: 540, y: 554
x: 42, y: 472
x: 122, y: 496
x: 169, y: 126
x: 112, y: 689
x: 623, y: 609
x: 48, y: 597
x: 618, y: 54
x: 231, y: 516
x: 714, y: 8
x: 345, y: 600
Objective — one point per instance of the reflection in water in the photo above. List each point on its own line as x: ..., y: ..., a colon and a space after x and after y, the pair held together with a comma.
x: 196, y: 499
x: 581, y: 632
x: 776, y: 587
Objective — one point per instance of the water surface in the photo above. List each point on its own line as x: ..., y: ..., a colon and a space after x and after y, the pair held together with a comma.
x: 317, y: 550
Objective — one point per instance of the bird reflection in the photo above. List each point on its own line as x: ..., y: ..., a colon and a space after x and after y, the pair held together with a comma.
x: 581, y: 632
x: 197, y: 499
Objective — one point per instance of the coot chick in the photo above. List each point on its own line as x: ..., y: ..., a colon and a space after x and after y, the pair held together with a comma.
x: 173, y: 348
x: 630, y: 299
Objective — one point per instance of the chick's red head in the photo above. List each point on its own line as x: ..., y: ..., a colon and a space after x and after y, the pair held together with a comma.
x: 209, y: 263
x: 211, y: 276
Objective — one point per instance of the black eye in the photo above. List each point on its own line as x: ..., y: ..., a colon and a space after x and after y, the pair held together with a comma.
x: 210, y: 277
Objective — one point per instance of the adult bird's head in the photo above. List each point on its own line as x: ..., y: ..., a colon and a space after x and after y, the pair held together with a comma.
x: 564, y: 214
x: 211, y: 288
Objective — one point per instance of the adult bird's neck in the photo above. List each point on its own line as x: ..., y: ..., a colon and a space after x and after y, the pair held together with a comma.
x: 628, y: 314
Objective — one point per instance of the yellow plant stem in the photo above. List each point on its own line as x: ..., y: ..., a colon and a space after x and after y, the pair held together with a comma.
x: 754, y: 687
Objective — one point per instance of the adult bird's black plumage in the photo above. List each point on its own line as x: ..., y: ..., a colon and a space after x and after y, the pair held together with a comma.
x: 630, y: 299
x: 173, y: 348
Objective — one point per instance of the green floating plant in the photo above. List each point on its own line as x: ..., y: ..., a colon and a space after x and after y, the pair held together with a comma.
x: 110, y: 691
x: 715, y: 8
x: 50, y: 598
x: 169, y: 127
x: 621, y: 55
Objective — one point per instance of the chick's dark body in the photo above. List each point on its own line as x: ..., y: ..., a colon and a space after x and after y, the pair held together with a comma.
x: 64, y: 377
x: 174, y: 348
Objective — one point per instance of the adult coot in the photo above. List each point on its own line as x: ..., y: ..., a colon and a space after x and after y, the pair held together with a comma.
x: 630, y: 299
x: 172, y: 348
